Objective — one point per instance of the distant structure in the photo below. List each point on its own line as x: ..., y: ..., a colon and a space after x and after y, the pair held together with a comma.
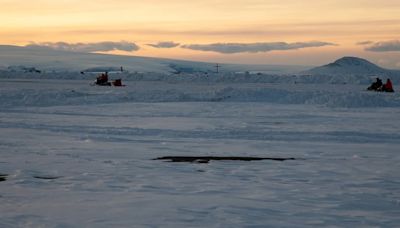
x: 23, y: 69
x: 217, y: 66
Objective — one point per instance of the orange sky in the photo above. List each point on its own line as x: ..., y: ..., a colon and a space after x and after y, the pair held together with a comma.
x: 341, y: 22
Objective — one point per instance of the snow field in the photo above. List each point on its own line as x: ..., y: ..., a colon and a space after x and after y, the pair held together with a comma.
x: 78, y: 155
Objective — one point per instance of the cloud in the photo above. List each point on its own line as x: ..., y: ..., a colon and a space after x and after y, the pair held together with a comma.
x: 385, y: 46
x: 167, y: 44
x: 365, y: 42
x: 87, y: 47
x: 231, y: 48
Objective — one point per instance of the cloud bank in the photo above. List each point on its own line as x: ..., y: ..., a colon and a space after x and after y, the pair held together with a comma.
x: 167, y: 44
x: 87, y: 47
x: 385, y: 46
x: 231, y: 48
x: 365, y: 42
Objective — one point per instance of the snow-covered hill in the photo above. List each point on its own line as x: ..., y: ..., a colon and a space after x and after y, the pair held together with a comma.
x: 351, y: 70
x: 349, y: 65
x: 47, y: 60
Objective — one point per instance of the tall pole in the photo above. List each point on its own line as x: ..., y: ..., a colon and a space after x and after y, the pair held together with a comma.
x: 217, y: 66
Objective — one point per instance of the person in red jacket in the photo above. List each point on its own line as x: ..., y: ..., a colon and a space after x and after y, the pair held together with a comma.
x: 388, y: 87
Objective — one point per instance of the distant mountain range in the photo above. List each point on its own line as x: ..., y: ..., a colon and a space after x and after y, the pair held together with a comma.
x: 48, y: 60
x: 44, y: 60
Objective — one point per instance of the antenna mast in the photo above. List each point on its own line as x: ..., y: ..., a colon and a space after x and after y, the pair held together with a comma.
x: 217, y: 66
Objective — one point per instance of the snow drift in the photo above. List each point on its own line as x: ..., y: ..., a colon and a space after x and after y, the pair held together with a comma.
x: 77, y: 92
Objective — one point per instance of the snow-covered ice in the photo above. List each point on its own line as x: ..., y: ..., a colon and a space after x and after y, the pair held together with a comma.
x: 75, y: 155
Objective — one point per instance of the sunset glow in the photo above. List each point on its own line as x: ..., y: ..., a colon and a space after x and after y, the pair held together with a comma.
x: 347, y: 25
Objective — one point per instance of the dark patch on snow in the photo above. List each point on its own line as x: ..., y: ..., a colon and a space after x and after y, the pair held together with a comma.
x: 46, y: 177
x: 207, y: 159
x: 3, y: 177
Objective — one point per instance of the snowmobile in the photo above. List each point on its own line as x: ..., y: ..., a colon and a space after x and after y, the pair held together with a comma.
x: 117, y: 82
x: 102, y: 80
x: 376, y: 86
x: 380, y: 87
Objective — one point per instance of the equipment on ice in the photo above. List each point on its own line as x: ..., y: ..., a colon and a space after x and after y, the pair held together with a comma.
x: 380, y: 87
x: 102, y: 80
x: 117, y: 82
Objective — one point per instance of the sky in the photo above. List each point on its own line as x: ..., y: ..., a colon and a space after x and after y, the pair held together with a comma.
x: 289, y: 32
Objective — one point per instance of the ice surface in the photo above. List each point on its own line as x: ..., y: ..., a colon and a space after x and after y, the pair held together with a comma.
x: 81, y: 156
